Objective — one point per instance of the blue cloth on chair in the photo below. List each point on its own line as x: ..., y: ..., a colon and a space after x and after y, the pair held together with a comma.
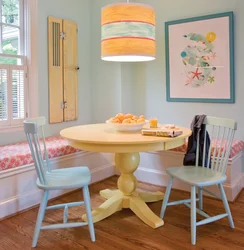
x: 198, y: 129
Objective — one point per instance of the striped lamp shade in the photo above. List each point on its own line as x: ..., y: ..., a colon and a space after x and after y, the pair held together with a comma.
x: 128, y: 33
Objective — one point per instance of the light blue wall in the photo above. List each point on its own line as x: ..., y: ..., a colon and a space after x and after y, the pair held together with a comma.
x: 151, y: 76
x: 141, y: 87
x: 105, y: 76
x: 78, y: 11
x: 112, y: 84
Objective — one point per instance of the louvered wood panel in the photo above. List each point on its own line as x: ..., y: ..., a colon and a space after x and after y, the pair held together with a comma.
x: 19, y: 88
x: 70, y: 72
x: 55, y: 46
x: 4, y: 96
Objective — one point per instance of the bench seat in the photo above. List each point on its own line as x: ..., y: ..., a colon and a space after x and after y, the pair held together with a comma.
x: 237, y: 147
x: 16, y: 155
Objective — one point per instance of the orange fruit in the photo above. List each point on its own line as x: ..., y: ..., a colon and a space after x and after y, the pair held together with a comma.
x: 121, y: 118
x: 126, y: 120
x: 116, y: 120
x: 128, y: 115
x: 140, y: 120
x: 119, y: 114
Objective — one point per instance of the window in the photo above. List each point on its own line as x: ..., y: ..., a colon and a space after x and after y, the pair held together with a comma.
x: 13, y: 63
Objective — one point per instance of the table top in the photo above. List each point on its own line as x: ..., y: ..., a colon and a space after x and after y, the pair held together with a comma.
x: 102, y: 138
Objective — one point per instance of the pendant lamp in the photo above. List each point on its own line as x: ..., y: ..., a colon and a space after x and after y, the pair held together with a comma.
x: 128, y: 32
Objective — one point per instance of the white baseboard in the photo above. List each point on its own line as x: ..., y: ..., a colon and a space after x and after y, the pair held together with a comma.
x: 19, y: 185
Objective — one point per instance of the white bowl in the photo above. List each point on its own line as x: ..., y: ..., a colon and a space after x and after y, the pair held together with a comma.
x: 126, y: 127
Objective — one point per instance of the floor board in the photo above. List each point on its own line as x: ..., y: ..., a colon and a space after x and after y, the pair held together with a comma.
x: 124, y: 230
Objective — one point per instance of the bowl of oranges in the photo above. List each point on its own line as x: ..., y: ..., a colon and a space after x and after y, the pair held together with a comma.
x: 127, y: 122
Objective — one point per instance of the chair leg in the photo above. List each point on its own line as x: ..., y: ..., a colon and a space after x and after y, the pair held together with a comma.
x: 193, y: 215
x: 166, y: 197
x: 86, y: 196
x: 200, y: 198
x: 40, y: 217
x: 226, y: 205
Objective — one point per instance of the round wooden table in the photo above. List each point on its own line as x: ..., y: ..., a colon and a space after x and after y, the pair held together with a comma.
x: 126, y: 146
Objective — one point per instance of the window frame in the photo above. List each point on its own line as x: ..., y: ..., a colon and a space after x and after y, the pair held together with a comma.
x: 29, y: 49
x: 21, y: 27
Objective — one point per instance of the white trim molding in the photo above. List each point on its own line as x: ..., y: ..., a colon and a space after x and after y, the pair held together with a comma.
x: 31, y: 7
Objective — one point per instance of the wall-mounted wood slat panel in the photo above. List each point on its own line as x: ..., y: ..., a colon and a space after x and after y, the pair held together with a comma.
x: 70, y: 72
x: 55, y: 59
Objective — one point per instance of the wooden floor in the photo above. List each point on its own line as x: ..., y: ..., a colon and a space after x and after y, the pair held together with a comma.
x: 124, y: 230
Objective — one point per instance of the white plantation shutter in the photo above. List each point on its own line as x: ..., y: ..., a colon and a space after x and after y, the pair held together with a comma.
x: 18, y: 94
x: 13, y: 83
x: 3, y: 96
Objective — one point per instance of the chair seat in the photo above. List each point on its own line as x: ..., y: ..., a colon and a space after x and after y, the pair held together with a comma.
x: 197, y: 176
x: 66, y: 178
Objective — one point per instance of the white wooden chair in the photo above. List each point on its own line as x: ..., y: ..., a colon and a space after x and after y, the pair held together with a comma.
x: 222, y: 130
x: 66, y: 178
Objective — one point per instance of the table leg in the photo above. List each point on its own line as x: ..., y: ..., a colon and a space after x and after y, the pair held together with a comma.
x: 151, y: 196
x: 109, y: 207
x: 125, y: 196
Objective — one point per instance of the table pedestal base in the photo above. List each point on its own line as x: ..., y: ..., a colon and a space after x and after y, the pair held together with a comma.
x: 116, y: 201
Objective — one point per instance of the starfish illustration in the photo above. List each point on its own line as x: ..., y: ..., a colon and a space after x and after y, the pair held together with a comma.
x: 211, y: 79
x: 196, y: 74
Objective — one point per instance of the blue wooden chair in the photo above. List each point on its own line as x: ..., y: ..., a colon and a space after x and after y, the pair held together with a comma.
x: 223, y: 131
x: 67, y: 178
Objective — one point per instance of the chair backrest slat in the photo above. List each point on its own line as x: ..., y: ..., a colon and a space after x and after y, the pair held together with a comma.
x: 220, y: 155
x: 36, y: 163
x: 32, y: 129
x: 204, y: 146
x: 197, y: 152
x: 45, y: 150
x: 225, y: 163
x: 221, y: 138
x: 216, y: 136
x: 225, y: 147
x: 210, y: 147
x: 38, y: 155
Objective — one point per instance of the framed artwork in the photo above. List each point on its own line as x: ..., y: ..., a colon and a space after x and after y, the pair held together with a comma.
x: 200, y: 59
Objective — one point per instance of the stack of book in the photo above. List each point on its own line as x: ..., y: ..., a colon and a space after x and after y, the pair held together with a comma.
x: 164, y: 132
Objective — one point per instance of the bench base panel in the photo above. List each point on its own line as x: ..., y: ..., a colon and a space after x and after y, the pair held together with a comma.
x: 153, y: 165
x: 21, y: 192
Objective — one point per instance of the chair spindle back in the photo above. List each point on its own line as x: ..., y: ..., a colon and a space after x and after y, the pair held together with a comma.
x: 221, y: 132
x: 34, y: 132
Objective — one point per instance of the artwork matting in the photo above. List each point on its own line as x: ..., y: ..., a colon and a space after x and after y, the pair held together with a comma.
x: 200, y: 59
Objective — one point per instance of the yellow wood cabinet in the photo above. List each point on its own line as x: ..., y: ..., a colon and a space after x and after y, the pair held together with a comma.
x: 63, y: 66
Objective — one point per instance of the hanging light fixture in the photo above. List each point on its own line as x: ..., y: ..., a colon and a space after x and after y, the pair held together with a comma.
x: 128, y: 32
